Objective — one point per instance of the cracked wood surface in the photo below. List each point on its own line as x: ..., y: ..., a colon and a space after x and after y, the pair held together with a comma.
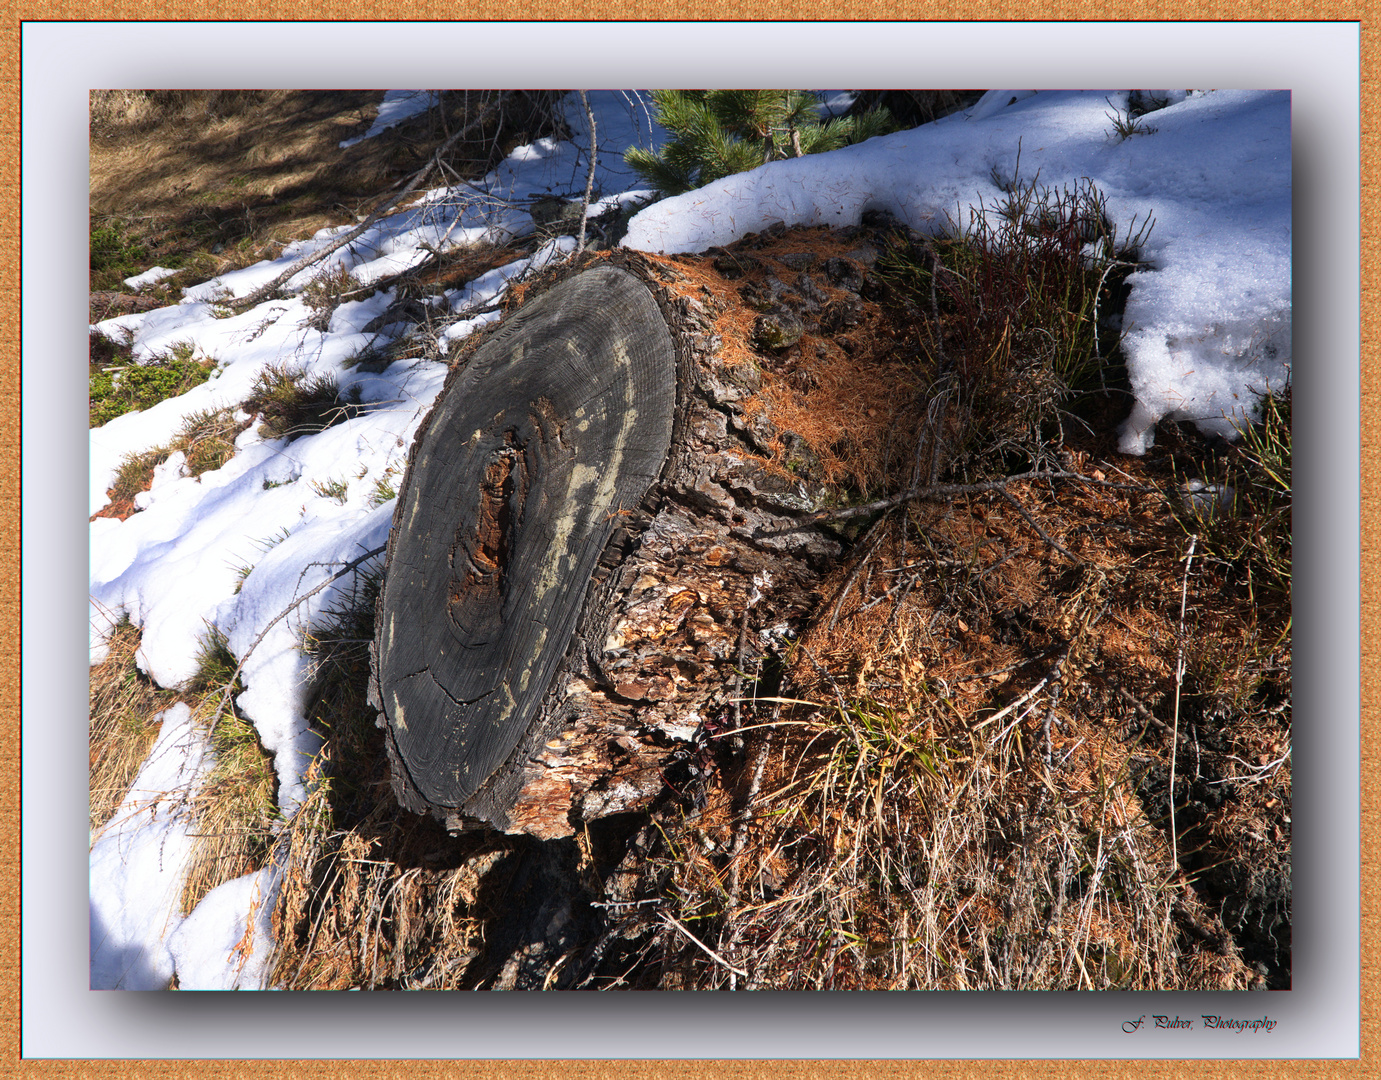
x: 561, y: 421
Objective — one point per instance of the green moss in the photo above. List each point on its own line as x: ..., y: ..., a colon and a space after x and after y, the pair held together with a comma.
x: 114, y: 255
x: 132, y: 387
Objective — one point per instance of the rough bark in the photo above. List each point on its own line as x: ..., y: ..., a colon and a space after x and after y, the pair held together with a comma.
x: 558, y: 619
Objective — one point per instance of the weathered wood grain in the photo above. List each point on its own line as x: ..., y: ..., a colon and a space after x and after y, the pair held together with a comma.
x: 559, y: 422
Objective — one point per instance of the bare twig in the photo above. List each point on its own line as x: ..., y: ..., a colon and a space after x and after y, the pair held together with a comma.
x: 230, y: 683
x: 1179, y: 680
x: 944, y: 491
x: 871, y: 540
x: 1053, y: 673
x: 1039, y: 531
x: 669, y: 920
x: 590, y: 179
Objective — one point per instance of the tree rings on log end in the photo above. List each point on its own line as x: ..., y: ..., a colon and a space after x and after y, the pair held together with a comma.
x: 559, y: 422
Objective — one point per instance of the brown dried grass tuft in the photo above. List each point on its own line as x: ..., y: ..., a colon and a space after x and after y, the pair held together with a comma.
x: 235, y: 812
x: 123, y: 723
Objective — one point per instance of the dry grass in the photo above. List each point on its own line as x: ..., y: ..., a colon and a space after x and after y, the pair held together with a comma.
x: 973, y: 771
x: 123, y: 725
x: 208, y: 181
x: 290, y: 403
x: 235, y: 812
x: 914, y: 819
x: 372, y: 896
x: 207, y: 441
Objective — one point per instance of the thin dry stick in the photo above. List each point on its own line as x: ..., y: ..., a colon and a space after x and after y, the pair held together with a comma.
x: 590, y: 179
x: 1179, y: 679
x: 1053, y: 673
x: 1041, y: 532
x: 940, y: 491
x: 741, y: 834
x: 347, y: 568
x: 703, y: 947
x: 871, y: 542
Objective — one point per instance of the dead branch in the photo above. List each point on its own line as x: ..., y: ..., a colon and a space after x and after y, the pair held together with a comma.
x: 263, y: 292
x: 944, y: 491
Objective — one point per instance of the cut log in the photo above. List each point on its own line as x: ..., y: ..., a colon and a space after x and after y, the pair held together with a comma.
x: 588, y: 549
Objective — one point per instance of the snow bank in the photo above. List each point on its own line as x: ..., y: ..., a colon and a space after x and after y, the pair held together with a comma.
x: 1208, y: 324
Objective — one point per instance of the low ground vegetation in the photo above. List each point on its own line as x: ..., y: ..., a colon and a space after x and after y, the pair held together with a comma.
x: 119, y: 385
x: 291, y: 403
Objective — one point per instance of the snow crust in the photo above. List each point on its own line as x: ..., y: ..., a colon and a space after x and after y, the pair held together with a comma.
x: 1208, y: 325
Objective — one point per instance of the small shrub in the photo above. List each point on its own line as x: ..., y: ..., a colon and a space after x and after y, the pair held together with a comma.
x: 208, y: 440
x: 384, y: 490
x: 291, y: 404
x: 715, y: 133
x: 1129, y: 123
x: 134, y: 475
x: 243, y: 571
x: 1253, y: 532
x: 324, y: 294
x: 1007, y: 314
x: 215, y: 664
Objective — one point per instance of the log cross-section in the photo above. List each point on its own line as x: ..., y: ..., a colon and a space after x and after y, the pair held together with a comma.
x: 559, y: 422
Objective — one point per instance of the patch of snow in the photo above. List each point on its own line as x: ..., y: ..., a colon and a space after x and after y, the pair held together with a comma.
x: 226, y: 942
x: 151, y: 276
x: 139, y: 859
x: 1207, y: 323
x: 397, y: 106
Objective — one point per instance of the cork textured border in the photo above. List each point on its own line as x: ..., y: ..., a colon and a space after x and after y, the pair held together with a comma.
x: 641, y: 1035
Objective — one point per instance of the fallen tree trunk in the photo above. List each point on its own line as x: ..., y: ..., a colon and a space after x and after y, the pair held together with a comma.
x: 587, y: 549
